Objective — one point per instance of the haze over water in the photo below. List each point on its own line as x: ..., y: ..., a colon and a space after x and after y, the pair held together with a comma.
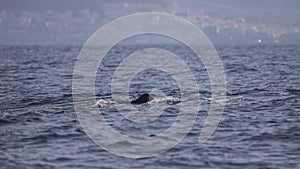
x: 258, y: 44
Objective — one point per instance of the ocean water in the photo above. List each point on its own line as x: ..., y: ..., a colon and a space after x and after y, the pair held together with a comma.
x: 260, y: 127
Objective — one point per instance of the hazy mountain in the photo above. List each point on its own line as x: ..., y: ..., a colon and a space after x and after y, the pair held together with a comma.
x: 60, y: 21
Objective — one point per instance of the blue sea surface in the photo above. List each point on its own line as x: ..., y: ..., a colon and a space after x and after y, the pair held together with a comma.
x: 260, y: 127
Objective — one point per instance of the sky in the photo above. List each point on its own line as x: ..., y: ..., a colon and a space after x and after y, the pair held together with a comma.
x: 278, y: 19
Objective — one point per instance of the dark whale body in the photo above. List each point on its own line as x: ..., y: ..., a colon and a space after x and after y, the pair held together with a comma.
x: 144, y: 98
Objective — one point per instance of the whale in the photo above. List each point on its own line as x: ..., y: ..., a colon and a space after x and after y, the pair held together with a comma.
x: 144, y: 98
